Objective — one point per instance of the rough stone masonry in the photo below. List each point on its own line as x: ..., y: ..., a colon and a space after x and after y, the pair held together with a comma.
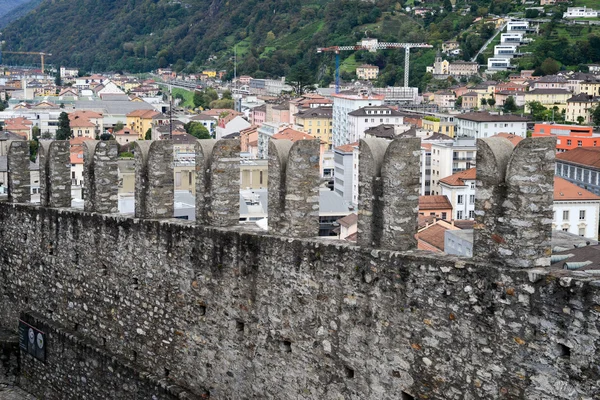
x: 173, y: 309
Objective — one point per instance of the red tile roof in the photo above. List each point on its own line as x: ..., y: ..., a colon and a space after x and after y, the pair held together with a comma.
x: 347, y: 148
x: 458, y: 179
x: 433, y: 235
x: 82, y: 123
x: 84, y: 114
x: 143, y: 113
x: 437, y: 202
x: 514, y: 139
x: 348, y: 220
x: 567, y: 191
x: 293, y: 135
x: 589, y: 156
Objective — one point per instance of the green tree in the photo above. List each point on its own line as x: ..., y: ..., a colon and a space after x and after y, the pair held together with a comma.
x: 491, y: 102
x: 58, y: 79
x: 148, y: 135
x: 64, y: 127
x: 580, y: 120
x: 227, y: 95
x: 595, y: 116
x: 106, y: 136
x: 550, y: 66
x: 118, y: 126
x: 531, y: 13
x: 510, y: 105
x: 35, y: 133
x: 300, y: 78
x: 537, y: 110
x: 34, y: 145
x: 458, y: 102
x: 199, y: 99
x: 222, y: 103
x: 197, y: 130
x: 447, y: 6
x: 483, y: 102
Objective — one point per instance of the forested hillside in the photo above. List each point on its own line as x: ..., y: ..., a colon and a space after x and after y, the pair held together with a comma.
x: 13, y: 9
x: 270, y: 36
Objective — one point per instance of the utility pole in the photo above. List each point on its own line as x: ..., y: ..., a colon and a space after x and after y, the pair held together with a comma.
x: 170, y: 112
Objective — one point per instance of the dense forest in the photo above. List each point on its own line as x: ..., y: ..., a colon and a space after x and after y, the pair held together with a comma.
x: 269, y: 36
x: 11, y: 10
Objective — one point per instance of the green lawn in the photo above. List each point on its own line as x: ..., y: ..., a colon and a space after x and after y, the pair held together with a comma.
x: 187, y: 95
x: 349, y: 64
x: 595, y: 4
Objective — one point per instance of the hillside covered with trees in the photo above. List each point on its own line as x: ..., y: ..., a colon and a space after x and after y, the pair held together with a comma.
x: 11, y: 10
x: 271, y: 36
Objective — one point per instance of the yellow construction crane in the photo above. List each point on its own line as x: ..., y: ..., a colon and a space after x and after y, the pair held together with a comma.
x: 41, y: 54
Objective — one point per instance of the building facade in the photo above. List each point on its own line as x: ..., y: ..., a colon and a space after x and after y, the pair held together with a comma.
x: 344, y: 104
x: 483, y: 124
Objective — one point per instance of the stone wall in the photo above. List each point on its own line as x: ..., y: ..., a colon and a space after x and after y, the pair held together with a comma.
x: 9, y: 358
x: 76, y: 369
x: 242, y: 315
x: 232, y: 314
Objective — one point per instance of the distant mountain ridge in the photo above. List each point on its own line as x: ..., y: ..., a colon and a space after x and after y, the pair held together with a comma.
x: 11, y: 10
x: 271, y: 36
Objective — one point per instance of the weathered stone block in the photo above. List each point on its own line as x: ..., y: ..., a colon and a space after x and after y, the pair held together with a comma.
x: 19, y: 175
x: 218, y: 182
x: 154, y: 182
x: 101, y: 176
x: 514, y: 201
x: 55, y: 173
x: 294, y: 179
x: 389, y: 193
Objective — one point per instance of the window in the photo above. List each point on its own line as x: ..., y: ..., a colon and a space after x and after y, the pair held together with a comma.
x: 366, y: 119
x: 472, y: 185
x: 444, y: 215
x: 471, y: 214
x: 190, y: 178
x: 565, y: 215
x: 432, y: 214
x: 459, y: 215
x: 579, y: 143
x: 581, y: 214
x: 260, y: 177
x: 568, y: 142
x: 471, y: 199
x: 460, y: 199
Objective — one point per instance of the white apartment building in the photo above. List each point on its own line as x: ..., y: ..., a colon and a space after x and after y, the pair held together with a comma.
x: 355, y: 154
x: 517, y: 26
x: 484, y: 124
x: 343, y: 177
x: 511, y: 38
x: 576, y: 210
x: 505, y: 50
x: 460, y: 190
x: 580, y: 12
x: 498, y: 63
x: 448, y: 158
x: 368, y: 117
x: 344, y: 104
x: 68, y: 72
x: 265, y: 131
